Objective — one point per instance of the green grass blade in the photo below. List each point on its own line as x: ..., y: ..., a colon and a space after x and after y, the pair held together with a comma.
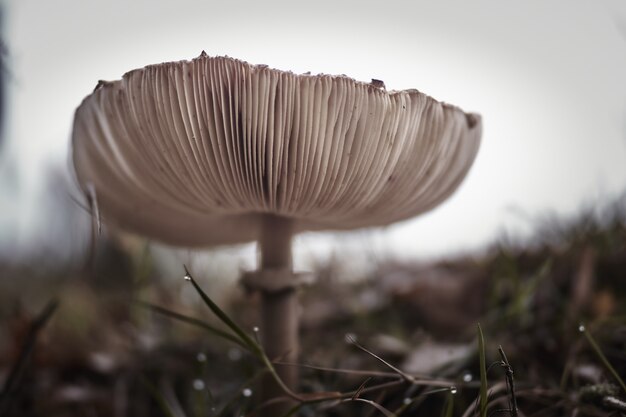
x: 410, y: 401
x: 193, y: 321
x: 158, y: 397
x: 245, y: 338
x: 483, y: 373
x: 449, y: 409
x: 293, y: 410
x: 252, y: 344
x: 236, y: 396
x: 603, y: 358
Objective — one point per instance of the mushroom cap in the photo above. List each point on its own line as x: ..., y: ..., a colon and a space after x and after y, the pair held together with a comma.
x: 196, y: 153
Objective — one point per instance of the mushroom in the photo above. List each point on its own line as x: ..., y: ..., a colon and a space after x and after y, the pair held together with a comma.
x: 216, y: 151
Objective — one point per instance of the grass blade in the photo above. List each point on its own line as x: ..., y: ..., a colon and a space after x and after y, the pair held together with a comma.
x: 403, y: 374
x: 410, y: 401
x: 245, y: 338
x: 252, y: 344
x: 510, y: 382
x: 193, y: 321
x: 374, y: 404
x: 236, y: 396
x: 293, y: 410
x: 483, y: 372
x: 158, y: 396
x: 449, y: 409
x: 358, y: 392
x: 603, y: 358
x: 13, y: 380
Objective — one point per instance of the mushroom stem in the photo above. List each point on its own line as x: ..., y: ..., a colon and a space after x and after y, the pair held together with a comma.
x: 279, y: 309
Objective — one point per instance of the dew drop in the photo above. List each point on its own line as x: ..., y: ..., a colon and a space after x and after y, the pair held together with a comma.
x: 201, y: 357
x: 581, y: 328
x: 407, y: 401
x: 255, y: 329
x: 247, y: 392
x: 187, y: 277
x: 198, y: 384
x: 467, y: 377
x: 453, y: 390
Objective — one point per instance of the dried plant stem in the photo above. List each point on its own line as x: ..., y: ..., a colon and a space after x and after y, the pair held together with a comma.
x: 279, y: 321
x: 508, y: 370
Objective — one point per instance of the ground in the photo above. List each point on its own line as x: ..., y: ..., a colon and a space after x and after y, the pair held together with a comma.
x: 403, y: 340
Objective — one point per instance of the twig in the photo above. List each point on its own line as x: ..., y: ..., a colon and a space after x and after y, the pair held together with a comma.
x: 329, y: 396
x: 358, y: 392
x: 379, y: 398
x: 508, y: 371
x: 417, y: 379
x: 400, y: 372
x: 374, y: 404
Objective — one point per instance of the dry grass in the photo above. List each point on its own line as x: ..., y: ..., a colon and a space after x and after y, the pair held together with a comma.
x: 102, y: 354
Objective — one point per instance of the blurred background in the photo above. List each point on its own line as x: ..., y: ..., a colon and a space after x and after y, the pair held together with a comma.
x: 532, y: 242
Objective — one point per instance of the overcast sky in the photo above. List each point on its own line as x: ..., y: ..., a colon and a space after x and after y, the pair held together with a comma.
x: 547, y: 76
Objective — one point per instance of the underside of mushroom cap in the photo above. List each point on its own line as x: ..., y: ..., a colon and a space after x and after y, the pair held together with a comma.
x: 196, y: 152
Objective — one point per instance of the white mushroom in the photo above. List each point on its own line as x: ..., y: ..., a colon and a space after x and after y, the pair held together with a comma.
x: 217, y: 151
